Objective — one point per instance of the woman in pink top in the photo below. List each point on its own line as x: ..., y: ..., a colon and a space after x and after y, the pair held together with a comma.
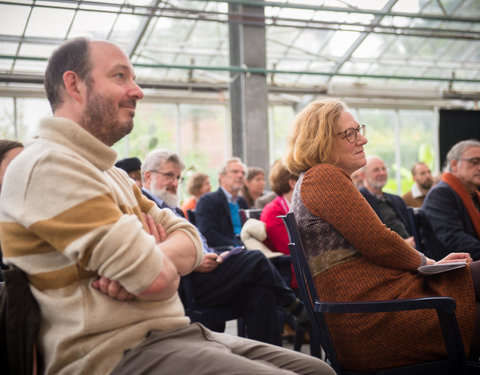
x: 282, y: 183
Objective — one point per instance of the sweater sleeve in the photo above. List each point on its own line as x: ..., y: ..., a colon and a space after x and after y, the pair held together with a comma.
x: 329, y: 193
x: 87, y: 224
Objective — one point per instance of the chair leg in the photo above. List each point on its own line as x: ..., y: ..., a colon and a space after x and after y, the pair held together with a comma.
x: 298, y: 340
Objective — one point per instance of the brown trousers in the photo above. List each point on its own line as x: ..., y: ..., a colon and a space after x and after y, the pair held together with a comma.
x: 197, y: 350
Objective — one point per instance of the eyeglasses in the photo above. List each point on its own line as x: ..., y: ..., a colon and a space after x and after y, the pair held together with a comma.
x: 473, y: 161
x: 351, y: 133
x: 169, y: 176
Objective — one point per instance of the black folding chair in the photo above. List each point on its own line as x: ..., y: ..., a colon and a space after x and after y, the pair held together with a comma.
x: 213, y: 317
x: 455, y: 363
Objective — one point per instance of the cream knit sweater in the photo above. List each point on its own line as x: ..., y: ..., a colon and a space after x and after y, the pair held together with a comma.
x: 66, y: 217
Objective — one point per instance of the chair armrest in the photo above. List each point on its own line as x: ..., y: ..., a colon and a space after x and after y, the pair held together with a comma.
x: 444, y: 304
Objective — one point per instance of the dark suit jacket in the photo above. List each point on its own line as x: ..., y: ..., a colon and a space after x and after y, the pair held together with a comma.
x: 397, y: 203
x: 450, y: 221
x: 212, y: 217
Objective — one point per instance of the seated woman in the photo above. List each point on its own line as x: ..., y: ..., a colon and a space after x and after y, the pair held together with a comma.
x: 253, y: 186
x: 198, y: 185
x: 354, y: 257
x: 282, y: 183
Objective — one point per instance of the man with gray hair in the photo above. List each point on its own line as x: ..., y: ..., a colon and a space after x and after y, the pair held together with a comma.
x: 247, y: 281
x: 217, y: 213
x: 390, y: 208
x: 452, y: 206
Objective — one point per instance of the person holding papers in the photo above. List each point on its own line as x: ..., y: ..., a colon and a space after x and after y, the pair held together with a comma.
x: 353, y: 256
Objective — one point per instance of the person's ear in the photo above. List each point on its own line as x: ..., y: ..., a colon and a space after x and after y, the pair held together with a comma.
x: 454, y: 165
x: 73, y: 85
x: 292, y: 183
x: 147, y: 178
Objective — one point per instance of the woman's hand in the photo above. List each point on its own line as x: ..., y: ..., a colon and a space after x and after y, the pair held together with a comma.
x: 456, y: 257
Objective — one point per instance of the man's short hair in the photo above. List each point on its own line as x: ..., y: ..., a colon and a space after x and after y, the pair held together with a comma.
x: 157, y: 158
x: 457, y: 151
x: 73, y: 55
x: 416, y: 165
x: 223, y: 170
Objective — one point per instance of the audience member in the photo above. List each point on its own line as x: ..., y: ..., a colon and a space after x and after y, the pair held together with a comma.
x: 217, y: 213
x: 282, y: 183
x: 246, y: 280
x: 132, y: 166
x: 253, y: 185
x: 198, y: 185
x: 452, y: 206
x: 77, y: 226
x: 354, y: 257
x: 357, y: 179
x: 390, y: 208
x: 422, y: 176
x: 8, y: 151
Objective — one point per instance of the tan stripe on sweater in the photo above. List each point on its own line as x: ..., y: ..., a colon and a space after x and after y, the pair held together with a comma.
x: 60, y: 278
x: 77, y: 221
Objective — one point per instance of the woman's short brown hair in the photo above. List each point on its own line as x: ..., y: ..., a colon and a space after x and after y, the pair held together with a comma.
x: 280, y: 178
x: 312, y: 135
x: 195, y: 183
x: 253, y: 172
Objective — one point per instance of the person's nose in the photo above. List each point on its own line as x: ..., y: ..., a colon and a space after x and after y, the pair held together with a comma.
x: 361, y: 140
x: 135, y: 91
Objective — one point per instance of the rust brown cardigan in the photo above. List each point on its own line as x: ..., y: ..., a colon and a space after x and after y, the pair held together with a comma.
x: 354, y: 257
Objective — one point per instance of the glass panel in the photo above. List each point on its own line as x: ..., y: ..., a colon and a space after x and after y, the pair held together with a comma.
x: 93, y: 24
x: 41, y: 25
x: 281, y: 119
x: 203, y: 133
x: 27, y: 117
x: 416, y: 142
x: 13, y: 19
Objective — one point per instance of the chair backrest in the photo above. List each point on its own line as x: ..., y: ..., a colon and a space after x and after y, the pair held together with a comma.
x: 426, y: 240
x: 191, y: 216
x: 306, y: 287
x: 251, y: 213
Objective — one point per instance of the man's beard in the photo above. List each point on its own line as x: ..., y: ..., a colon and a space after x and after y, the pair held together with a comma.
x: 169, y: 198
x: 100, y: 118
x: 426, y: 185
x: 378, y: 185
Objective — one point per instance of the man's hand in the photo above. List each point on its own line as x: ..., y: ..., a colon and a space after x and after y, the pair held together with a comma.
x: 209, y: 263
x: 156, y: 230
x: 112, y: 289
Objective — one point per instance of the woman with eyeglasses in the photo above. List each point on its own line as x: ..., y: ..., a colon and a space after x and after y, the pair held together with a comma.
x: 354, y: 257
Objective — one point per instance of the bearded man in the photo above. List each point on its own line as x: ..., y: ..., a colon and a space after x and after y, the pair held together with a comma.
x: 422, y: 175
x: 390, y: 208
x: 247, y: 281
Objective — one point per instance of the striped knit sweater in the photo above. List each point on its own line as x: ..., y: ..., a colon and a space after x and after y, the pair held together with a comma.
x: 67, y: 215
x: 353, y: 256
